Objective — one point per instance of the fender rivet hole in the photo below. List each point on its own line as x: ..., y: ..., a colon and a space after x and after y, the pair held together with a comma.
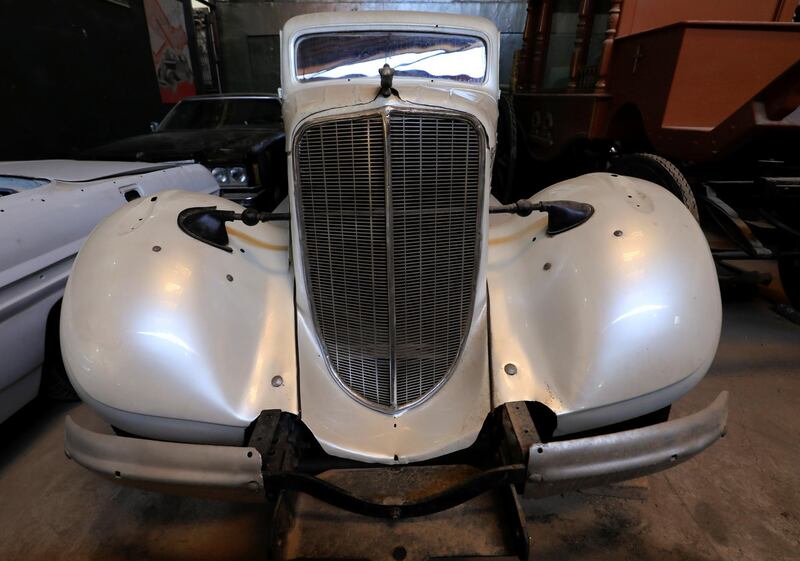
x: 540, y: 450
x: 249, y: 454
x: 156, y: 248
x: 618, y: 233
x: 117, y: 475
x: 547, y: 266
x: 229, y: 277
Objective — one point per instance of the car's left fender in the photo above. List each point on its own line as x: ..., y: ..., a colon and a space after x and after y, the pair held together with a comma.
x: 171, y: 338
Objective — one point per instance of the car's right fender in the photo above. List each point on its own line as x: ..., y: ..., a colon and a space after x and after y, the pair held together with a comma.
x: 611, y: 320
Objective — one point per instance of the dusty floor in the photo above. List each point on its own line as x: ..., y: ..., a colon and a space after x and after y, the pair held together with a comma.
x: 740, y: 500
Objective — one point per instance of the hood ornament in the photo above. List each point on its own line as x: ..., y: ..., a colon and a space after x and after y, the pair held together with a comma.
x: 387, y: 75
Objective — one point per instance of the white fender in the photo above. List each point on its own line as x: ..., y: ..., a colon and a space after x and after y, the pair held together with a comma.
x: 613, y: 319
x: 168, y: 337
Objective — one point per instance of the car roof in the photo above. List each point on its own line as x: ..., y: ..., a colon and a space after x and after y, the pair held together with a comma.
x: 77, y: 170
x: 244, y: 95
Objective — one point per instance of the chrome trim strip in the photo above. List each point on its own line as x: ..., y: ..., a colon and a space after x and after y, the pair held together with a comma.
x: 213, y: 471
x: 556, y: 467
x: 387, y: 174
x: 34, y: 287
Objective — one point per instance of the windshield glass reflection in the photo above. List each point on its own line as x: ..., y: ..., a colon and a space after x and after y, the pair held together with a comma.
x: 330, y: 56
x: 196, y: 114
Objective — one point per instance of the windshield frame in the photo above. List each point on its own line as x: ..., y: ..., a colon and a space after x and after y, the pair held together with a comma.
x: 458, y: 32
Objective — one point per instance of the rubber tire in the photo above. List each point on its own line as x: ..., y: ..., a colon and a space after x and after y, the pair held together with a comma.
x: 660, y: 171
x: 55, y: 382
x: 505, y: 161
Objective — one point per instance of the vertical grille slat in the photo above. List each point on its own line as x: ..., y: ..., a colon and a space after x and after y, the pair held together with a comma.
x: 390, y: 268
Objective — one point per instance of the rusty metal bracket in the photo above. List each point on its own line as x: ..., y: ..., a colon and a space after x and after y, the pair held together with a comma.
x: 519, y: 434
x: 346, y: 500
x: 489, y: 526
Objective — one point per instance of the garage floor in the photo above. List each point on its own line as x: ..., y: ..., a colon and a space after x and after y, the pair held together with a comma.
x: 740, y: 500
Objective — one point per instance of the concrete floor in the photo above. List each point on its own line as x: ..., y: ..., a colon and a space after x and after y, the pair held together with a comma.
x: 739, y: 500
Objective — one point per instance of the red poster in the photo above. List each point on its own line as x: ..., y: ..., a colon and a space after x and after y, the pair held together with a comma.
x: 170, y: 46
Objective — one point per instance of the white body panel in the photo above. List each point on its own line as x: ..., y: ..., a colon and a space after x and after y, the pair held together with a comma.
x: 602, y: 327
x: 170, y: 336
x: 615, y: 327
x: 301, y: 99
x: 42, y: 230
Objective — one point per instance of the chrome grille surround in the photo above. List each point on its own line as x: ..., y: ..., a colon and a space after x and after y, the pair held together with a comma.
x: 390, y: 208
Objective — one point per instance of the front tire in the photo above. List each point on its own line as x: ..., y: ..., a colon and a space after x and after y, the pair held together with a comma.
x: 55, y: 383
x: 660, y: 171
x: 505, y: 160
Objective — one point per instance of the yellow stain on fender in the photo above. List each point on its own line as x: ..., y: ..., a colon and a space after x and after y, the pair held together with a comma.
x: 516, y: 235
x: 255, y: 241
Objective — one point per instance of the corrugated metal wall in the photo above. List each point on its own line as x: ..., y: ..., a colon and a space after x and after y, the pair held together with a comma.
x: 249, y: 32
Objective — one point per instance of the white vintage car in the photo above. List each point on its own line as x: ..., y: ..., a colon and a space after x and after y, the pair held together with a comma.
x: 47, y: 209
x: 392, y: 312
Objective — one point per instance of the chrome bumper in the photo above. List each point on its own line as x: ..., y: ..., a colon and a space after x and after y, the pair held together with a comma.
x: 235, y: 472
x: 220, y: 472
x: 555, y: 467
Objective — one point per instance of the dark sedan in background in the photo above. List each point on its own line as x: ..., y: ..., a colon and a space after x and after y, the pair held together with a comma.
x: 239, y: 137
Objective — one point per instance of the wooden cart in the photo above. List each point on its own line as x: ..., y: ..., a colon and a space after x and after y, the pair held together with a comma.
x: 700, y: 96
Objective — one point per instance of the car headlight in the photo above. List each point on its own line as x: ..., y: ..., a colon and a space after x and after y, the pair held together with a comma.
x: 238, y: 175
x: 221, y: 176
x: 235, y: 175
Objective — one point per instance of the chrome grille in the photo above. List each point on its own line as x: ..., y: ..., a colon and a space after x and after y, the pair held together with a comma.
x: 390, y: 247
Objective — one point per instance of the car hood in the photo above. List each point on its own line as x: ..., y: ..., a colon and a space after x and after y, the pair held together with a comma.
x: 70, y: 170
x: 199, y: 145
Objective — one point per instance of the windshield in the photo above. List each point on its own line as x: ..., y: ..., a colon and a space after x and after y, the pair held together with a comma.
x: 10, y: 184
x: 328, y: 56
x: 221, y: 113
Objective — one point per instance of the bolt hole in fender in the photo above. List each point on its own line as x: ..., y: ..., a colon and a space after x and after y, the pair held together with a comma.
x: 660, y: 171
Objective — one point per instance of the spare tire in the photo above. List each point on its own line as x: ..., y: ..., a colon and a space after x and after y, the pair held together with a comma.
x: 505, y: 159
x: 660, y: 171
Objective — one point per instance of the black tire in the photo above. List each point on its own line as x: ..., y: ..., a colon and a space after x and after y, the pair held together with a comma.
x: 505, y: 160
x: 55, y: 383
x: 659, y: 171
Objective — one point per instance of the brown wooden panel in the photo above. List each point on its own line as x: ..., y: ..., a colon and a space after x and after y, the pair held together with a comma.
x: 641, y: 15
x: 721, y: 69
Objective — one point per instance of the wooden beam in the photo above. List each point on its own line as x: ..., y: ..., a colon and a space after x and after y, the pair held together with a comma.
x: 583, y: 34
x: 608, y: 44
x: 540, y: 43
